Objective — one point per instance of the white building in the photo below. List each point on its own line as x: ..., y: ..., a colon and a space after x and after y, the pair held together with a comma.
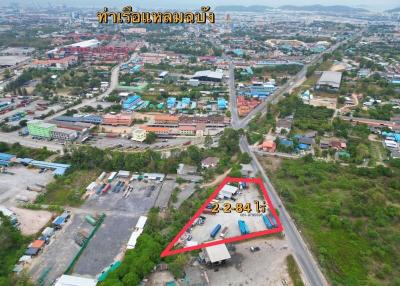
x: 69, y: 280
x: 139, y: 135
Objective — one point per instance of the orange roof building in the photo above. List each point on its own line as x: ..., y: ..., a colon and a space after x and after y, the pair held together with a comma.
x: 166, y: 119
x: 268, y: 146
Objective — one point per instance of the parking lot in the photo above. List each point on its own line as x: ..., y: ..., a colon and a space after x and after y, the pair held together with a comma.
x: 122, y: 211
x: 13, y: 192
x: 254, y: 221
x: 56, y: 256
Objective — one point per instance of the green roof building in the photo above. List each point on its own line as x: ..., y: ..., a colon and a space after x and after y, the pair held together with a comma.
x: 39, y: 128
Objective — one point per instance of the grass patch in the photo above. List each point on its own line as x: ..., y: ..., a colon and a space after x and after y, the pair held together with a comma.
x: 68, y: 190
x: 294, y: 271
x: 24, y: 152
x: 350, y: 216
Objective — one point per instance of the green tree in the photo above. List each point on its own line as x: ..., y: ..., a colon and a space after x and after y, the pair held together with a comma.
x: 150, y: 137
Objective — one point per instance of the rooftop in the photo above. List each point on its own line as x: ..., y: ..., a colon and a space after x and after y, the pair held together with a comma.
x: 217, y: 253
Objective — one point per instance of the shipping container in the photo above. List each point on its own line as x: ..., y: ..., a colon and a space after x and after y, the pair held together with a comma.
x: 244, y: 229
x: 106, y: 189
x: 215, y: 230
x: 267, y: 221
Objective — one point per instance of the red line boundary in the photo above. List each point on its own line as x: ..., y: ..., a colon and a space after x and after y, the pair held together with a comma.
x: 168, y: 250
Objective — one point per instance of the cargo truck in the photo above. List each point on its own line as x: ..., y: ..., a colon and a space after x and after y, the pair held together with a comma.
x: 267, y: 221
x: 215, y: 230
x: 224, y: 232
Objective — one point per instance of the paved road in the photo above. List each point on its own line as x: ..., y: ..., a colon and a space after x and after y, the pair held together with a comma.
x: 306, y: 261
x: 232, y: 96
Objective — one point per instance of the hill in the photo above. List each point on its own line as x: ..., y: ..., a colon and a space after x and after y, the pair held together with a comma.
x: 322, y: 8
x: 395, y: 10
x: 240, y: 8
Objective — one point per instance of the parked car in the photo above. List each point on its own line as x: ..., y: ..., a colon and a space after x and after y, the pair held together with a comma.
x: 254, y: 248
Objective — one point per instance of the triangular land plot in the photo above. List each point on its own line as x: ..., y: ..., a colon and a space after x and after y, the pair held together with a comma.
x: 239, y: 209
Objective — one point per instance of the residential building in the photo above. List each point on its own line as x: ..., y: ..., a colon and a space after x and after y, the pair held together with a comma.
x: 157, y: 130
x: 268, y: 146
x: 139, y: 135
x: 166, y: 120
x: 64, y: 134
x: 59, y: 64
x: 118, y: 119
x: 187, y: 130
x: 186, y: 169
x: 41, y: 129
x: 283, y: 124
x: 209, y: 162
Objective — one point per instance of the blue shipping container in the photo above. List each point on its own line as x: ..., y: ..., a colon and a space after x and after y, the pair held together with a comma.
x: 215, y: 230
x: 267, y: 221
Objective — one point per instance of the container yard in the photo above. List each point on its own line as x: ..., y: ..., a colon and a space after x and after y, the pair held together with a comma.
x: 210, y: 225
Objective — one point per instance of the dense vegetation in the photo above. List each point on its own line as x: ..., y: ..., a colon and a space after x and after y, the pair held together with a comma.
x: 24, y: 152
x: 349, y: 215
x: 12, y: 246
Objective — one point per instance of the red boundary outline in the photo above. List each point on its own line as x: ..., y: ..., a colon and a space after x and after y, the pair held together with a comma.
x: 167, y: 251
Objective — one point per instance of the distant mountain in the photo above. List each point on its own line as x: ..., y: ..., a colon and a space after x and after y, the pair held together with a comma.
x: 395, y: 10
x: 322, y: 8
x: 240, y: 8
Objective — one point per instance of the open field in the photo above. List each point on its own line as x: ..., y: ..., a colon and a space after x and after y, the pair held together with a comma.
x: 332, y: 204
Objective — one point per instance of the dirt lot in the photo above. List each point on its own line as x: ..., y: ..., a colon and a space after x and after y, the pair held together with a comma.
x: 201, y: 233
x: 328, y: 102
x: 264, y: 267
x: 31, y: 221
x: 14, y: 185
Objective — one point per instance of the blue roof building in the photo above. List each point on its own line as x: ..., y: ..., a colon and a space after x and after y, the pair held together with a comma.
x: 396, y: 136
x: 92, y: 119
x: 171, y: 101
x: 59, y: 169
x: 304, y: 147
x: 285, y: 142
x: 222, y: 103
x: 238, y: 52
x: 132, y: 102
x: 6, y: 159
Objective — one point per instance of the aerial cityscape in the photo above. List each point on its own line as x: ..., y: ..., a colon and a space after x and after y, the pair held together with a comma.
x: 214, y: 143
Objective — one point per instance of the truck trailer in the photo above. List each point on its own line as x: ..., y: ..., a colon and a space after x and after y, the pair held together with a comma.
x: 224, y: 232
x: 244, y: 229
x: 215, y: 230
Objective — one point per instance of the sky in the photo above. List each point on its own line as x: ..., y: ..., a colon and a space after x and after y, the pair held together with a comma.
x: 374, y: 5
